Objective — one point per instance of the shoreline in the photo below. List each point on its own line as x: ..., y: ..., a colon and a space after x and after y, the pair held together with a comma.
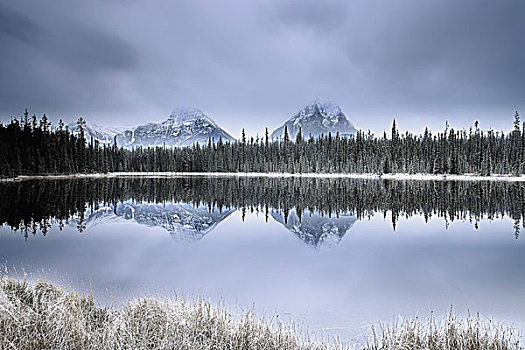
x: 399, y: 176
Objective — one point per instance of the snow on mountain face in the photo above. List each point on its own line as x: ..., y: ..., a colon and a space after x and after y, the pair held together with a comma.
x: 102, y: 134
x: 319, y: 232
x: 315, y: 119
x: 184, y: 127
x: 187, y: 116
x: 184, y: 222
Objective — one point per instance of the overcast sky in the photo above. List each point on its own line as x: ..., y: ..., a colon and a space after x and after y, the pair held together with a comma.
x: 254, y: 64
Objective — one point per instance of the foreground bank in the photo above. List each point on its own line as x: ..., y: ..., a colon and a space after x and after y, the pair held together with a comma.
x: 43, y: 316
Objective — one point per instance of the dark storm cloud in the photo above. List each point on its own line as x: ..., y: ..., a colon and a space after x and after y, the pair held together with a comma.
x: 254, y: 63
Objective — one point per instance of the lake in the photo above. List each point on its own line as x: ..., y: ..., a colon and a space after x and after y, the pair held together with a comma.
x: 333, y: 255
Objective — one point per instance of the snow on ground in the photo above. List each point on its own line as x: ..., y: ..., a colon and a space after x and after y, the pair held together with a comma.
x: 422, y: 177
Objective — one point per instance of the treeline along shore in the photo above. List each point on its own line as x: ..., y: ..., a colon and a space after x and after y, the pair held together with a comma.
x: 32, y: 146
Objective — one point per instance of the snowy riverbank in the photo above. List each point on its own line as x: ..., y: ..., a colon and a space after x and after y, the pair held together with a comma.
x: 402, y: 176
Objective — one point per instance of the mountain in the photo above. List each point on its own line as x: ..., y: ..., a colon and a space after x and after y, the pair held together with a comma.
x: 103, y: 134
x: 315, y: 119
x: 315, y: 230
x: 184, y: 127
x: 183, y: 221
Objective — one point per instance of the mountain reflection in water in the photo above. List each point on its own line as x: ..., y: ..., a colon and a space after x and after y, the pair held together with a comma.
x: 316, y: 230
x: 318, y: 211
x: 187, y: 223
x: 183, y: 221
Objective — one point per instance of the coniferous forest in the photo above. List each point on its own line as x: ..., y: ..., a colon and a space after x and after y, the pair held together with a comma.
x: 33, y: 146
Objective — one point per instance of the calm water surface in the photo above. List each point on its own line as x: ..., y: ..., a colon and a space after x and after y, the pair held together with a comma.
x: 333, y: 255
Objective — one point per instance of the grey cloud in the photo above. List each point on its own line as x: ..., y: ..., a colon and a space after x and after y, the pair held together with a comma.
x: 316, y: 15
x: 253, y: 64
x: 85, y: 48
x: 58, y: 65
x: 71, y: 44
x: 460, y: 52
x: 17, y: 26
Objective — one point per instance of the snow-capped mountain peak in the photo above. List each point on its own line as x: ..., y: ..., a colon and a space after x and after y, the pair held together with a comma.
x: 316, y: 118
x: 188, y: 115
x: 184, y: 127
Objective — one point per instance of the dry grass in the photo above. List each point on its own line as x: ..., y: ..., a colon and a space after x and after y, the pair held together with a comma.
x: 43, y: 316
x: 452, y: 333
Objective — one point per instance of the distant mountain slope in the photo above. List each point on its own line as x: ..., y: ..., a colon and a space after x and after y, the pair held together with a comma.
x: 184, y: 127
x: 104, y: 135
x: 315, y: 119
